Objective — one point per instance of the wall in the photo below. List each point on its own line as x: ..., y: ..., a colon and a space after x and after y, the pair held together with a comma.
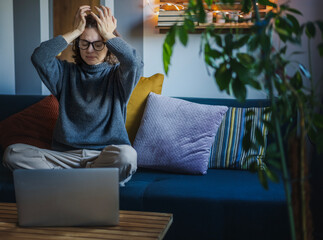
x: 25, y: 24
x: 27, y: 38
x: 129, y: 17
x: 188, y: 75
x: 7, y: 66
x: 312, y: 11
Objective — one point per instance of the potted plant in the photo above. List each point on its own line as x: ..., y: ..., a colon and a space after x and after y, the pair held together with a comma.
x: 263, y: 66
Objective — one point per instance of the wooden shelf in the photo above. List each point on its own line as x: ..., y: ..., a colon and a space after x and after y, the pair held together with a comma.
x: 221, y: 28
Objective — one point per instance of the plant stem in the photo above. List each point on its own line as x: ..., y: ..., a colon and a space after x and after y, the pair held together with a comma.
x: 302, y: 174
x: 303, y: 190
x: 268, y: 78
x: 310, y: 64
x: 284, y: 166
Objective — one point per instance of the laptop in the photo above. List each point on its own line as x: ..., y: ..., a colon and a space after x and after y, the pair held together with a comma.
x: 67, y: 197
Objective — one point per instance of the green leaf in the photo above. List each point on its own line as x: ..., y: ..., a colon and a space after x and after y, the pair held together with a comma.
x: 304, y: 71
x: 246, y: 59
x: 253, y: 43
x: 211, y: 52
x: 283, y: 50
x: 228, y: 39
x: 272, y: 175
x: 253, y: 167
x: 223, y: 77
x: 250, y: 113
x: 210, y: 55
x: 268, y: 110
x: 246, y: 6
x: 318, y: 120
x: 241, y: 71
x: 209, y: 2
x: 320, y: 48
x: 310, y: 30
x: 274, y: 162
x: 317, y: 138
x: 218, y: 40
x: 253, y: 83
x: 189, y: 25
x: 241, y: 42
x: 168, y: 47
x: 267, y: 2
x: 246, y: 143
x: 268, y: 124
x: 239, y: 90
x: 200, y: 11
x: 296, y: 26
x: 280, y: 87
x: 283, y: 27
x: 259, y: 137
x: 263, y: 179
x: 293, y: 10
x: 248, y: 125
x: 297, y: 81
x: 183, y: 35
x: 297, y: 53
x: 319, y: 23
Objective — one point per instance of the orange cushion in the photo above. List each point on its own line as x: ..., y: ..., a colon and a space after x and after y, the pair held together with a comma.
x: 33, y: 125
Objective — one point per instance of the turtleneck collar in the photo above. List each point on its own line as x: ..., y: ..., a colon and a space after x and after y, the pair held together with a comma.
x: 95, y: 68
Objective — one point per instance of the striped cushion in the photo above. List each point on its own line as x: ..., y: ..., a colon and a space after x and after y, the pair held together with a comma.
x: 227, y: 151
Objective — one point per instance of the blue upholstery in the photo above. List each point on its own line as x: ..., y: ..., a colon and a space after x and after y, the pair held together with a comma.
x: 223, y: 204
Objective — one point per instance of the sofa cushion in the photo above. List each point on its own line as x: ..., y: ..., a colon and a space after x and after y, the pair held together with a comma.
x: 33, y: 125
x: 176, y: 135
x: 227, y: 150
x: 138, y: 99
x: 228, y: 204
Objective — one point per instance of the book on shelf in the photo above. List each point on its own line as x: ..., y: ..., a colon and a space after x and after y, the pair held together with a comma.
x: 171, y: 13
x: 163, y: 19
x: 169, y: 23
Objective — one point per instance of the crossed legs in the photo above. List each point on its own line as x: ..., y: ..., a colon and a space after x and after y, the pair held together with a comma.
x: 123, y: 157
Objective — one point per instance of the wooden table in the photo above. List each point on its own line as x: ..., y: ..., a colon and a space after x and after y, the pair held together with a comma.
x: 133, y: 225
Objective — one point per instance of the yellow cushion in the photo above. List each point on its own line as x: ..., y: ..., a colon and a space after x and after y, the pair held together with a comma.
x: 138, y: 99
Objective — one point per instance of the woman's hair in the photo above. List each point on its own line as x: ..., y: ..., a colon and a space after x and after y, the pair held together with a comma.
x: 91, y: 23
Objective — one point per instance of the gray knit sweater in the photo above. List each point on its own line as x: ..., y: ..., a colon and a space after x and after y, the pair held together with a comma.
x: 92, y: 98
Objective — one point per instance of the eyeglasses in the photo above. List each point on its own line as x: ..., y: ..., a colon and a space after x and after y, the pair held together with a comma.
x: 97, y: 45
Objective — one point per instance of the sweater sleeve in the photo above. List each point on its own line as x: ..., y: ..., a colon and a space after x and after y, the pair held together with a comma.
x: 131, y: 65
x: 49, y: 68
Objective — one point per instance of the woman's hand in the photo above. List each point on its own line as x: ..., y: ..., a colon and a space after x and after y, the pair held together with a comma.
x: 79, y: 24
x: 79, y: 20
x: 106, y: 22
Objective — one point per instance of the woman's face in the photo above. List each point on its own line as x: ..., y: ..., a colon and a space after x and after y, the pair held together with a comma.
x: 90, y: 55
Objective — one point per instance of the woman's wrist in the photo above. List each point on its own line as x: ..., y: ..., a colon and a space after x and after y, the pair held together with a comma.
x: 109, y: 36
x: 71, y: 36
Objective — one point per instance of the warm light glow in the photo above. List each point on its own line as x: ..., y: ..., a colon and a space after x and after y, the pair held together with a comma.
x: 153, y: 8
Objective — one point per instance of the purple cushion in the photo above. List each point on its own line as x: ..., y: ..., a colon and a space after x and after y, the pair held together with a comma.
x: 176, y: 135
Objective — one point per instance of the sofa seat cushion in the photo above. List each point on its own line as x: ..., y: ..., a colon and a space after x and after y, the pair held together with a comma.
x: 229, y: 204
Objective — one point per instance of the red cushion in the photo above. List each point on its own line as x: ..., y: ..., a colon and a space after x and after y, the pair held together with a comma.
x: 33, y: 125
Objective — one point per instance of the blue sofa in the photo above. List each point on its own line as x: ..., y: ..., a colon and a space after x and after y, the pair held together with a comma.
x: 223, y: 204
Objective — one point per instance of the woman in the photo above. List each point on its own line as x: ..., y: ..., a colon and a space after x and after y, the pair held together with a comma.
x: 92, y: 94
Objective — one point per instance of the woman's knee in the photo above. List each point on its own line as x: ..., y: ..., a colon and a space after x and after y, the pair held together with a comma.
x: 11, y: 155
x: 23, y: 156
x: 128, y: 163
x: 128, y: 156
x: 123, y: 157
